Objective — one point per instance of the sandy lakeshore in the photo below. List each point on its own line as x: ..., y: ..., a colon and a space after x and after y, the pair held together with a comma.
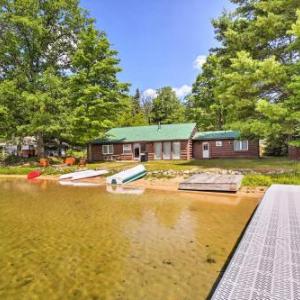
x: 165, y: 184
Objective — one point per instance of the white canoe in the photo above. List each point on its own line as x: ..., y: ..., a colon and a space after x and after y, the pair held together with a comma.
x: 83, y: 174
x: 91, y: 173
x: 70, y: 175
x: 127, y: 175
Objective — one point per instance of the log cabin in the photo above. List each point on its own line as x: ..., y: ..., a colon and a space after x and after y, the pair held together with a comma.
x: 170, y: 142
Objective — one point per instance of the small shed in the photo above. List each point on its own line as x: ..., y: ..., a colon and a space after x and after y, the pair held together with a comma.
x: 223, y: 144
x: 294, y: 150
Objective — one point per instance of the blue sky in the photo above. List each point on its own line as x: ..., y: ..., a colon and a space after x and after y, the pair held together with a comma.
x: 158, y: 41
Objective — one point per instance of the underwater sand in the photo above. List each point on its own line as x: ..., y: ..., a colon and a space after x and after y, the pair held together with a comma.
x: 64, y: 242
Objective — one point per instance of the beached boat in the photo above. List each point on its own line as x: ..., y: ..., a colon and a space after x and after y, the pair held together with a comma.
x: 83, y: 174
x: 127, y: 175
x: 34, y: 174
x: 91, y: 173
x: 70, y: 175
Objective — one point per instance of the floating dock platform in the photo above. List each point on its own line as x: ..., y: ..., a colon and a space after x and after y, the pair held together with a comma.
x: 212, y: 182
x: 266, y: 263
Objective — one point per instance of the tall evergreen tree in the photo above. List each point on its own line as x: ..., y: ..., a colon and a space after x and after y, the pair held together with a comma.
x: 96, y: 97
x: 249, y: 75
x: 136, y: 102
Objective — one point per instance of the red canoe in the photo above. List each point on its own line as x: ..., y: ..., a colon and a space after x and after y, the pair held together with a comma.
x: 34, y: 174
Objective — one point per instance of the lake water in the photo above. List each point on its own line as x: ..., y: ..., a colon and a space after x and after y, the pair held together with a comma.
x: 64, y: 242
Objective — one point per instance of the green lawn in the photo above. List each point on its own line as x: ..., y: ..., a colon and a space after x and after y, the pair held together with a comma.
x: 267, y: 180
x: 257, y: 165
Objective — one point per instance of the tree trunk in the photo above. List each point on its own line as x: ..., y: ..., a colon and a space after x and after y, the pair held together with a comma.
x: 40, y: 149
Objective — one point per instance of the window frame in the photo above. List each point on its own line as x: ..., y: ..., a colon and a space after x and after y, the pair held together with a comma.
x: 127, y: 151
x: 219, y: 143
x: 240, y: 143
x: 108, y: 147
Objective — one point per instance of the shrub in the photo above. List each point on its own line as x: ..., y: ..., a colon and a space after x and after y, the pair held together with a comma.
x: 76, y: 153
x: 3, y: 157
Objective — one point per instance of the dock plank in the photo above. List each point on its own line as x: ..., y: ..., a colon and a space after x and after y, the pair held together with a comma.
x: 266, y: 263
x: 212, y: 182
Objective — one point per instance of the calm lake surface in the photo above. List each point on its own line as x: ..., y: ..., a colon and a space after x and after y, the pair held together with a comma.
x: 63, y: 242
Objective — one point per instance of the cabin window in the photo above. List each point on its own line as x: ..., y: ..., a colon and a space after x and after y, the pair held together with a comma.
x: 127, y: 149
x: 219, y: 143
x: 143, y: 147
x: 241, y: 145
x: 107, y: 149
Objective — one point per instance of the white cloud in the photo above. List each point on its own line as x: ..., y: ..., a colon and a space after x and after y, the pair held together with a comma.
x: 182, y: 91
x: 150, y: 93
x: 199, y: 62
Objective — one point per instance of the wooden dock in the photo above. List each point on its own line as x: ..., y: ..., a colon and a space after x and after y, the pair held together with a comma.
x: 212, y: 182
x: 266, y: 263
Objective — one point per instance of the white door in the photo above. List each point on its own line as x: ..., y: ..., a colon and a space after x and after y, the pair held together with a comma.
x: 167, y: 150
x: 205, y: 150
x: 136, y: 151
x: 157, y: 150
x: 176, y: 150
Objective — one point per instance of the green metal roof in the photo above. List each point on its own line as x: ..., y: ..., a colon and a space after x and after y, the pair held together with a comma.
x: 216, y: 135
x: 166, y: 132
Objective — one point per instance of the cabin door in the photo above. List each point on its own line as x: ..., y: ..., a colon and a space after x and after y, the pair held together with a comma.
x: 205, y: 150
x: 167, y: 150
x: 176, y: 150
x: 136, y: 151
x: 157, y: 150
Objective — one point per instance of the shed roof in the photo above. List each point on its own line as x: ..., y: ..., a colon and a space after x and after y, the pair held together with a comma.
x: 216, y: 135
x: 149, y: 133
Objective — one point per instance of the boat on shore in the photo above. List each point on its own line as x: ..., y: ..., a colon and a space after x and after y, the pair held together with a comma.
x: 83, y: 174
x: 34, y: 174
x: 127, y: 175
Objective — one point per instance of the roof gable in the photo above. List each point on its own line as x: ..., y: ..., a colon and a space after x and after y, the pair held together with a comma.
x: 216, y: 135
x: 149, y: 133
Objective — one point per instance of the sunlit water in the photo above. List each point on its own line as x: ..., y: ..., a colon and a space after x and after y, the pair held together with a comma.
x: 64, y: 242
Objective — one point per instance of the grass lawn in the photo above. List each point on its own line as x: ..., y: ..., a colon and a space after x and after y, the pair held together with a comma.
x: 263, y: 165
x: 258, y: 165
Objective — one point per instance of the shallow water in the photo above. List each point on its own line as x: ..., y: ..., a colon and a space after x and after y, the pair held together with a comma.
x: 66, y: 242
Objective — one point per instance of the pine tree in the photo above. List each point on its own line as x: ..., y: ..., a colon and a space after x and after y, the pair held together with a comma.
x: 246, y: 81
x: 96, y: 97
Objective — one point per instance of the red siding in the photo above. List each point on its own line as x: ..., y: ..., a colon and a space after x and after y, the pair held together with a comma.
x: 226, y: 150
x: 294, y: 153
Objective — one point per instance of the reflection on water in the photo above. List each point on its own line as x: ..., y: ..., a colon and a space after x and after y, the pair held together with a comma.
x: 76, y: 183
x: 66, y: 242
x: 119, y: 189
